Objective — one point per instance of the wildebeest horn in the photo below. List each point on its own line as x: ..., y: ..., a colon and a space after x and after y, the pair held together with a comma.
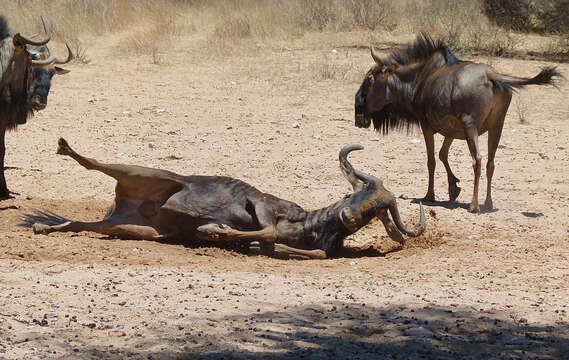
x: 22, y: 40
x: 375, y: 56
x: 70, y: 56
x: 49, y: 60
x: 356, y: 178
x: 397, y: 219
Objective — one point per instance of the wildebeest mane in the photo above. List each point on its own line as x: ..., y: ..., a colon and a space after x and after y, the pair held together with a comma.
x: 421, y: 49
x: 15, y: 111
x: 4, y: 29
x: 398, y: 115
x: 13, y: 99
x: 393, y: 117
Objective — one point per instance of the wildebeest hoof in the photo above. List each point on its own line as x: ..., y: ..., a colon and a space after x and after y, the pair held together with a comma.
x: 474, y: 208
x: 214, y: 231
x: 453, y: 192
x: 429, y: 198
x: 39, y: 228
x: 488, y: 205
x: 63, y: 147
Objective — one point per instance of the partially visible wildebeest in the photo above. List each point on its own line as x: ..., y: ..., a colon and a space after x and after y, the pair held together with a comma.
x: 154, y: 204
x: 426, y: 85
x: 26, y: 69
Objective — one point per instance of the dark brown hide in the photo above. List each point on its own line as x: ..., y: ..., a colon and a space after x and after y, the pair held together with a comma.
x: 424, y: 84
x: 157, y: 204
x: 26, y: 69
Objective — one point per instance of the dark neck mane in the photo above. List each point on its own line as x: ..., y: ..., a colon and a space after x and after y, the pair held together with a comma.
x: 421, y: 50
x: 414, y: 63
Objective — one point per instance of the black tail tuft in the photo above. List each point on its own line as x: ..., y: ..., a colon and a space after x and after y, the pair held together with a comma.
x: 41, y: 216
x: 547, y: 76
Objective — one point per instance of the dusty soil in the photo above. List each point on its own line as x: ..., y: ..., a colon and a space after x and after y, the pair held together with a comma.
x: 490, y: 285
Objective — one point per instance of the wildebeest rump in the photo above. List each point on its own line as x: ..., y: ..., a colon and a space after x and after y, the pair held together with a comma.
x: 425, y: 84
x: 26, y: 69
x: 155, y: 204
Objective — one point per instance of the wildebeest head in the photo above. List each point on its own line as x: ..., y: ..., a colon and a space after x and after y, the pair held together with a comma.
x: 373, y: 97
x: 32, y: 67
x: 371, y: 199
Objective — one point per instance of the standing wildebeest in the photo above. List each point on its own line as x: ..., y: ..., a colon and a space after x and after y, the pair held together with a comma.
x: 426, y: 84
x: 153, y: 204
x: 26, y: 69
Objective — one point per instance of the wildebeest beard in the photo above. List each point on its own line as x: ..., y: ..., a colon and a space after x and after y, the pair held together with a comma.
x: 15, y: 111
x: 393, y: 116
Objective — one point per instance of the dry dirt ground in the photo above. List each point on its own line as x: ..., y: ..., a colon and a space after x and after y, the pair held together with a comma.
x: 490, y: 285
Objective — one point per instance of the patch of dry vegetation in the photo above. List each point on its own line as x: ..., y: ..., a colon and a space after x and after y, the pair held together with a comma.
x: 153, y: 25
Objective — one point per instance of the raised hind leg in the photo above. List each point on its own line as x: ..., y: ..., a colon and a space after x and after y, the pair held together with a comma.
x: 429, y: 136
x: 453, y: 189
x: 133, y: 181
x: 471, y: 134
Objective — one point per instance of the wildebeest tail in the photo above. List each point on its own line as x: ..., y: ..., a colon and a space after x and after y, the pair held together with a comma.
x: 547, y: 76
x: 41, y: 216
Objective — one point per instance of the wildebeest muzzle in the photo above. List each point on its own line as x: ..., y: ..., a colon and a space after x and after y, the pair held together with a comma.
x: 361, y: 114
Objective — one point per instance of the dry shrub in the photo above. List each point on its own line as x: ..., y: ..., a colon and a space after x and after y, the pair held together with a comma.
x: 151, y: 25
x: 545, y: 16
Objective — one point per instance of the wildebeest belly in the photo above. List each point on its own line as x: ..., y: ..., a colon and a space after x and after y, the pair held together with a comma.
x: 198, y: 203
x: 448, y: 126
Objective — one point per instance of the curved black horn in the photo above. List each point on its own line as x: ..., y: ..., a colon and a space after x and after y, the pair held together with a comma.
x: 70, y: 56
x: 397, y: 219
x: 19, y: 39
x: 375, y: 57
x: 49, y: 60
x: 352, y: 175
x: 347, y: 169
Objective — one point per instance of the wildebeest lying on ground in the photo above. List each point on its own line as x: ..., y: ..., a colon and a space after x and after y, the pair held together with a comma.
x: 426, y: 85
x: 153, y: 204
x: 26, y: 69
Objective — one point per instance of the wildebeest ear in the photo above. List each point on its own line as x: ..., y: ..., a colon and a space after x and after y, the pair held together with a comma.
x: 61, y: 71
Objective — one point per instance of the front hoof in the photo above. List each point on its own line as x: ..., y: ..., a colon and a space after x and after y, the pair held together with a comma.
x: 213, y: 231
x: 488, y: 205
x: 453, y: 192
x: 474, y: 208
x: 429, y: 197
x: 40, y: 228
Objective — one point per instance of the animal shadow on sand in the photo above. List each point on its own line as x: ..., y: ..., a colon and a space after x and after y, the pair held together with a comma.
x: 336, y: 330
x: 246, y: 247
x: 451, y: 205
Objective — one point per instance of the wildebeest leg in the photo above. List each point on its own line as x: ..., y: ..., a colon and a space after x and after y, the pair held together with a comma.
x: 287, y: 251
x: 472, y: 141
x: 222, y: 232
x: 113, y: 226
x: 4, y: 193
x: 133, y: 181
x: 494, y: 134
x: 453, y: 189
x: 266, y: 220
x: 429, y: 136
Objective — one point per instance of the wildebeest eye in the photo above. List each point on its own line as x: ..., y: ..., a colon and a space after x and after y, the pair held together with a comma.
x: 371, y: 79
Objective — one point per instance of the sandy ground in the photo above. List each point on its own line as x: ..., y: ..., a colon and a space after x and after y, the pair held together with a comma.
x: 490, y: 285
